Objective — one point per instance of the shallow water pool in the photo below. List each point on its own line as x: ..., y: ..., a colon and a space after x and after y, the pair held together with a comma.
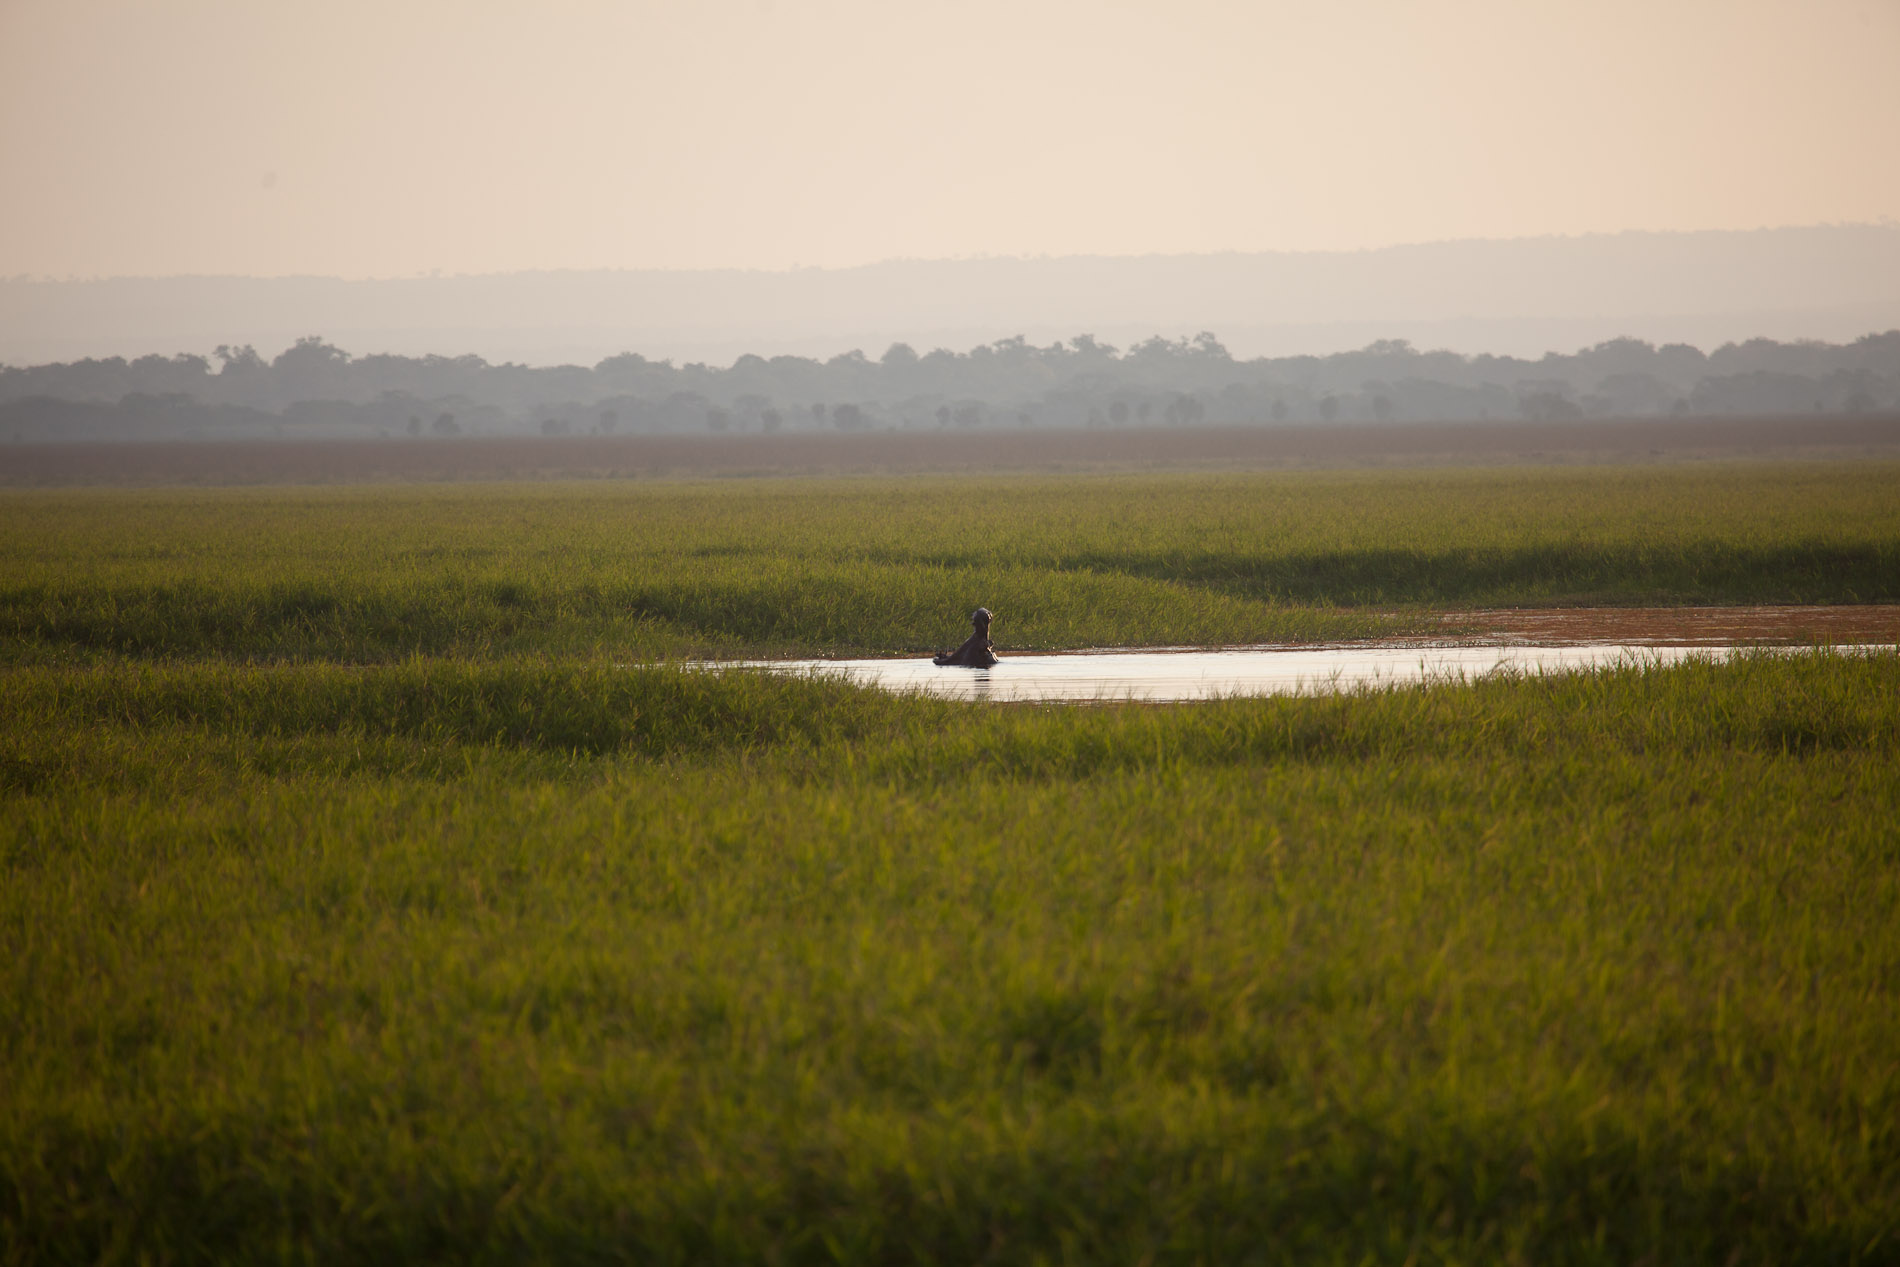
x: 1167, y: 676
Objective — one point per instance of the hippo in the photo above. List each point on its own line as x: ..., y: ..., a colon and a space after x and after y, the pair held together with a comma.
x: 976, y: 651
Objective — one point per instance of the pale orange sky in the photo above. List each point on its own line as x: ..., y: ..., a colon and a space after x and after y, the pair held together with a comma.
x: 395, y: 138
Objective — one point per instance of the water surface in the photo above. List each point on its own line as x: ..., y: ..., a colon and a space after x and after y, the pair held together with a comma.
x: 1166, y: 676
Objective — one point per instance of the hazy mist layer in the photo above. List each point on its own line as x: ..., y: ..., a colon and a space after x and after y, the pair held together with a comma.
x: 361, y: 138
x: 1518, y: 298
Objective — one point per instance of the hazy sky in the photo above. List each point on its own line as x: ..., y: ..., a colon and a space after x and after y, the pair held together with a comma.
x: 392, y: 138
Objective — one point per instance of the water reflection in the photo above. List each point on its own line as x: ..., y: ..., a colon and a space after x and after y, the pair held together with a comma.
x: 1166, y: 676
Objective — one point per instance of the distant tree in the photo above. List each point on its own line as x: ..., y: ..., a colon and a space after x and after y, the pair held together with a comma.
x: 1095, y: 418
x: 1549, y: 406
x: 1329, y: 407
x: 1634, y: 395
x: 624, y: 365
x: 445, y: 425
x: 160, y: 373
x: 718, y: 420
x: 308, y: 353
x: 316, y: 383
x: 848, y: 418
x: 770, y: 421
x: 968, y: 415
x: 415, y: 425
x: 1207, y: 346
x: 239, y: 362
x: 1382, y: 407
x: 748, y: 407
x: 1184, y: 411
x: 554, y: 426
x: 1022, y: 418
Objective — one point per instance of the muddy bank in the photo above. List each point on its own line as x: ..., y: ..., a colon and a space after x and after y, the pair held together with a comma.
x: 1677, y: 626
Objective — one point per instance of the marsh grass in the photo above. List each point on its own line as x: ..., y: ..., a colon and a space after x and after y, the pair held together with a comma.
x: 1796, y: 702
x: 644, y: 571
x: 441, y: 960
x: 354, y: 906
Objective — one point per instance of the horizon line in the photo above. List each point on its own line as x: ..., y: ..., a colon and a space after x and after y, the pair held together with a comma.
x: 1885, y: 223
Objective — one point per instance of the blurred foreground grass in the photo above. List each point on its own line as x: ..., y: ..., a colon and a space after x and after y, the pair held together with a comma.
x: 451, y: 961
x: 637, y: 571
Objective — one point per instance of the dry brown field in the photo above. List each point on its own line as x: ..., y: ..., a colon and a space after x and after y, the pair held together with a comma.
x: 649, y: 457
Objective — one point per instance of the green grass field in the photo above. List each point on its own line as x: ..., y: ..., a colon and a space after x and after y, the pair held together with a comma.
x: 363, y: 898
x: 634, y: 571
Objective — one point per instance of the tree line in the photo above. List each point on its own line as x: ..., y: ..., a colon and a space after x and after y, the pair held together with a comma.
x: 314, y: 388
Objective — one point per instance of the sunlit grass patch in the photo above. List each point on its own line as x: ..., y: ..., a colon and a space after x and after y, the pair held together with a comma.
x: 643, y: 571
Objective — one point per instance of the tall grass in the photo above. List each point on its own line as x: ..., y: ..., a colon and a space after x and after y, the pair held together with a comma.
x: 647, y: 571
x: 828, y: 729
x: 374, y: 963
x: 355, y: 906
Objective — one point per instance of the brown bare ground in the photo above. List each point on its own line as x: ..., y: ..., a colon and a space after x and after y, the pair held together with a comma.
x: 1681, y: 626
x: 298, y: 461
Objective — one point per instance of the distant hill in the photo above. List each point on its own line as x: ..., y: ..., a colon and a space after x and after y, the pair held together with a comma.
x: 1518, y: 297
